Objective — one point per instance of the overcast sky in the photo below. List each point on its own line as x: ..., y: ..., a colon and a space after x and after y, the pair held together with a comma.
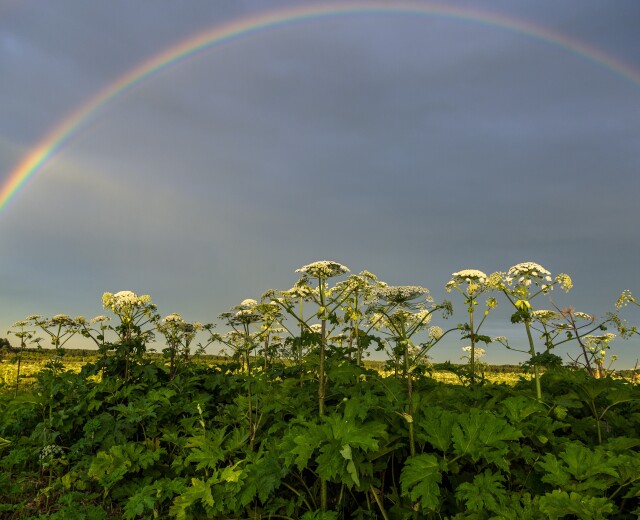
x: 412, y: 146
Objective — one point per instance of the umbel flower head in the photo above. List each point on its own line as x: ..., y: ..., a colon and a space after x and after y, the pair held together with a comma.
x: 435, y: 332
x: 526, y: 273
x: 173, y: 318
x: 399, y: 294
x: 124, y: 299
x: 474, y: 280
x: 323, y: 269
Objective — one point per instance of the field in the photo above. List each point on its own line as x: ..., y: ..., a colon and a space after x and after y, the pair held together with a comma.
x: 34, y: 361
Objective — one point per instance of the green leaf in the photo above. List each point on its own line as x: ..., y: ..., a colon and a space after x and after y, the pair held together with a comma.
x: 109, y: 468
x: 262, y: 478
x: 559, y: 504
x: 436, y: 429
x: 320, y: 515
x: 518, y: 408
x: 351, y: 467
x: 579, y: 468
x: 142, y: 501
x: 485, y: 493
x: 206, y: 451
x: 199, y: 491
x: 420, y: 479
x: 300, y: 443
x: 350, y: 431
x: 481, y: 434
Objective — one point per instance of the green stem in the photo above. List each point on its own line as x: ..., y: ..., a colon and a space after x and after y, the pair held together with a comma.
x: 532, y: 352
x: 473, y: 345
x: 379, y: 502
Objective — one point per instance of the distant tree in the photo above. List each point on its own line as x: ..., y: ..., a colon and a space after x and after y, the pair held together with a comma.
x: 5, y: 347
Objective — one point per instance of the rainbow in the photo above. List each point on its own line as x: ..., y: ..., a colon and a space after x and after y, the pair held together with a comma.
x: 52, y: 143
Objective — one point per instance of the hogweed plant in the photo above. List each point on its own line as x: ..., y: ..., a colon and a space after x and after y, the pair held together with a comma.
x: 95, y: 329
x: 251, y: 326
x: 178, y: 335
x: 521, y: 284
x: 561, y: 326
x: 60, y: 329
x: 22, y: 331
x: 362, y: 289
x: 404, y: 311
x: 137, y: 315
x: 313, y: 287
x: 625, y: 299
x: 471, y: 284
x: 475, y: 353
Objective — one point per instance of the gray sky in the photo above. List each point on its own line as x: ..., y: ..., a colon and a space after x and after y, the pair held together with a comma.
x: 412, y: 146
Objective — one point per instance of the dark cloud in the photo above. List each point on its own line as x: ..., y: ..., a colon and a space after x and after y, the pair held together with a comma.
x: 412, y: 146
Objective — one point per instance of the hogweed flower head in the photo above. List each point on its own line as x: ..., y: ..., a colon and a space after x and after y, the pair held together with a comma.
x: 50, y: 454
x: 478, y: 352
x: 624, y: 299
x: 565, y: 282
x: 474, y: 280
x: 125, y: 300
x: 544, y: 315
x: 435, y: 332
x: 323, y: 269
x: 401, y: 294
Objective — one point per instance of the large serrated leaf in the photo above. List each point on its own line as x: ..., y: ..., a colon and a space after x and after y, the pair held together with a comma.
x: 480, y: 434
x: 436, y: 428
x: 560, y: 504
x: 485, y: 494
x: 420, y: 479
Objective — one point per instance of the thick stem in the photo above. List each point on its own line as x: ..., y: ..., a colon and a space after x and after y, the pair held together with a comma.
x: 473, y: 345
x: 532, y: 352
x: 321, y: 386
x: 380, y: 504
x: 412, y: 443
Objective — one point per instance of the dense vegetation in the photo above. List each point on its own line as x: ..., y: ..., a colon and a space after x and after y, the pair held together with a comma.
x: 294, y: 424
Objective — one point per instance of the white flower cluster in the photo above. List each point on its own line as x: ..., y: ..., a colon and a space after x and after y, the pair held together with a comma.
x: 544, y: 315
x: 247, y: 304
x: 99, y: 319
x: 468, y: 276
x: 599, y: 340
x: 401, y: 293
x: 323, y: 269
x: 61, y: 317
x: 50, y: 453
x: 525, y: 272
x: 124, y: 300
x: 316, y: 328
x: 479, y: 352
x: 435, y: 332
x: 173, y: 318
